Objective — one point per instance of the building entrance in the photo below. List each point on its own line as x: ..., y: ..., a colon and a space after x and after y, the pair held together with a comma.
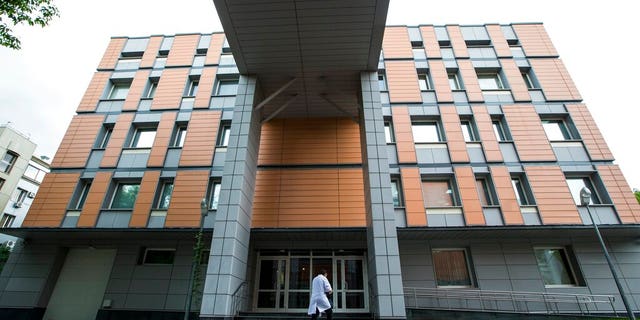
x: 284, y: 280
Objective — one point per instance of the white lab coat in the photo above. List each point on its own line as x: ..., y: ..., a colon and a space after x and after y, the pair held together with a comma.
x: 319, y: 287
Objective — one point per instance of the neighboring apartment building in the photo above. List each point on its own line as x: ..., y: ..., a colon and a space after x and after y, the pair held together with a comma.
x: 20, y: 201
x: 421, y: 171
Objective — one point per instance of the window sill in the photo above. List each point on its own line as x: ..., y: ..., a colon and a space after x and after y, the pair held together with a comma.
x: 562, y: 286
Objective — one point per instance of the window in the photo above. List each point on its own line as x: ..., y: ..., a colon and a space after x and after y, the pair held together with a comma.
x: 82, y: 194
x: 424, y: 82
x: 454, y: 81
x: 143, y: 138
x: 164, y: 195
x: 486, y: 193
x: 528, y: 79
x: 214, y: 195
x: 192, y: 87
x: 468, y: 131
x: 438, y: 193
x: 522, y: 190
x: 124, y: 196
x: 104, y: 137
x: 151, y: 88
x: 556, y: 130
x: 34, y: 173
x: 8, y: 161
x: 227, y: 87
x: 1, y: 183
x: 119, y: 90
x: 576, y: 184
x: 396, y: 192
x: 490, y: 81
x: 500, y: 130
x: 388, y: 132
x: 451, y: 267
x: 382, y: 82
x: 223, y: 136
x: 555, y: 266
x: 7, y: 220
x: 19, y: 197
x: 128, y: 64
x: 425, y: 132
x: 158, y: 256
x: 179, y: 136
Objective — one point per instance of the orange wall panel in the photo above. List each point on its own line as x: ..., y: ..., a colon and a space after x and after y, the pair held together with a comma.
x: 470, y: 80
x: 136, y: 90
x: 94, y: 92
x: 205, y: 88
x: 117, y: 140
x: 554, y: 79
x: 455, y: 140
x: 78, y: 141
x: 170, y: 89
x: 50, y: 205
x: 190, y: 187
x: 162, y: 140
x: 351, y: 205
x: 506, y: 195
x: 396, y: 43
x: 405, y: 144
x: 591, y: 136
x: 402, y: 80
x: 484, y: 124
x: 457, y: 41
x: 144, y: 201
x: 518, y: 88
x: 552, y: 194
x: 528, y: 135
x: 471, y: 206
x: 199, y: 145
x: 151, y: 52
x: 498, y: 40
x: 430, y: 41
x: 620, y: 193
x: 440, y: 81
x: 112, y: 54
x: 535, y: 40
x: 183, y: 50
x: 266, y: 198
x: 93, y: 203
x: 413, y: 202
x: 215, y: 48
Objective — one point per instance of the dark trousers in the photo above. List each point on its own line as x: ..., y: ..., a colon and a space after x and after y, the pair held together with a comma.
x: 329, y: 313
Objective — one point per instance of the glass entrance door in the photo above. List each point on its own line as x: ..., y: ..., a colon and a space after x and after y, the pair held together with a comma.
x: 349, y: 290
x: 271, y: 288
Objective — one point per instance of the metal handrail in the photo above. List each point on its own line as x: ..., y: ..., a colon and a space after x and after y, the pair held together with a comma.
x: 508, y: 301
x: 237, y: 297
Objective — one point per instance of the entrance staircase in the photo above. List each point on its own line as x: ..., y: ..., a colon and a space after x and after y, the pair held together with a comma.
x: 299, y: 316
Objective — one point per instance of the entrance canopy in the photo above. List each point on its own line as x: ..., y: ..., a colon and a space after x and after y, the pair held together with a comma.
x: 323, y: 45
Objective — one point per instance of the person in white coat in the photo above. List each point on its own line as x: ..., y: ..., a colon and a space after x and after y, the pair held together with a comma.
x: 320, y: 288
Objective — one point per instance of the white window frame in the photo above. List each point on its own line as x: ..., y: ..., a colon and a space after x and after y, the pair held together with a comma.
x: 424, y: 82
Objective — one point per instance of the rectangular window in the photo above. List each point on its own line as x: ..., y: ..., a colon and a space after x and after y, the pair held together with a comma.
x: 192, y: 87
x: 34, y: 173
x: 214, y: 195
x: 438, y: 193
x: 179, y: 135
x: 1, y: 183
x: 555, y: 267
x: 500, y: 130
x: 396, y: 192
x: 424, y: 132
x: 8, y: 161
x: 575, y: 186
x: 223, y: 136
x: 124, y: 196
x: 490, y: 81
x: 119, y: 90
x: 486, y: 192
x: 143, y: 138
x: 454, y: 81
x: 556, y: 130
x: 81, y: 196
x: 151, y: 88
x: 468, y: 131
x: 158, y: 256
x: 19, y: 196
x: 522, y: 191
x: 7, y: 220
x: 388, y: 132
x: 104, y: 137
x: 164, y: 195
x: 227, y: 87
x: 382, y: 82
x: 424, y: 82
x: 529, y: 79
x: 451, y: 267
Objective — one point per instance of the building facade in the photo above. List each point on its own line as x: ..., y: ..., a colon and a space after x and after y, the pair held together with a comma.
x: 443, y: 166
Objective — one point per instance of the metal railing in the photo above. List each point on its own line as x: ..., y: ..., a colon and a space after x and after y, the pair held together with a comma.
x: 509, y: 301
x: 239, y: 298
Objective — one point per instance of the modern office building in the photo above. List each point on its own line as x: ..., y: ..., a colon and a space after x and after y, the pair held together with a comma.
x: 427, y: 168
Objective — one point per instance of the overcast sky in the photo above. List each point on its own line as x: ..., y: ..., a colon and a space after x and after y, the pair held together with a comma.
x: 42, y: 84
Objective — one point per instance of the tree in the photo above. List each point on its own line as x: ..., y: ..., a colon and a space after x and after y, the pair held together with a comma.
x: 636, y: 192
x: 15, y: 12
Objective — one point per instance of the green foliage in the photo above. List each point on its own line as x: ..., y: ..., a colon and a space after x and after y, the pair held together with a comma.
x: 637, y: 194
x: 4, y: 256
x: 15, y: 12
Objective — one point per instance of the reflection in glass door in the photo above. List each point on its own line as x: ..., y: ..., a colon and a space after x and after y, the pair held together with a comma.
x: 272, y: 284
x: 349, y: 289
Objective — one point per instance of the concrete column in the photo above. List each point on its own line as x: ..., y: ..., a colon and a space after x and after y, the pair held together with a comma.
x: 230, y: 243
x: 385, y: 276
